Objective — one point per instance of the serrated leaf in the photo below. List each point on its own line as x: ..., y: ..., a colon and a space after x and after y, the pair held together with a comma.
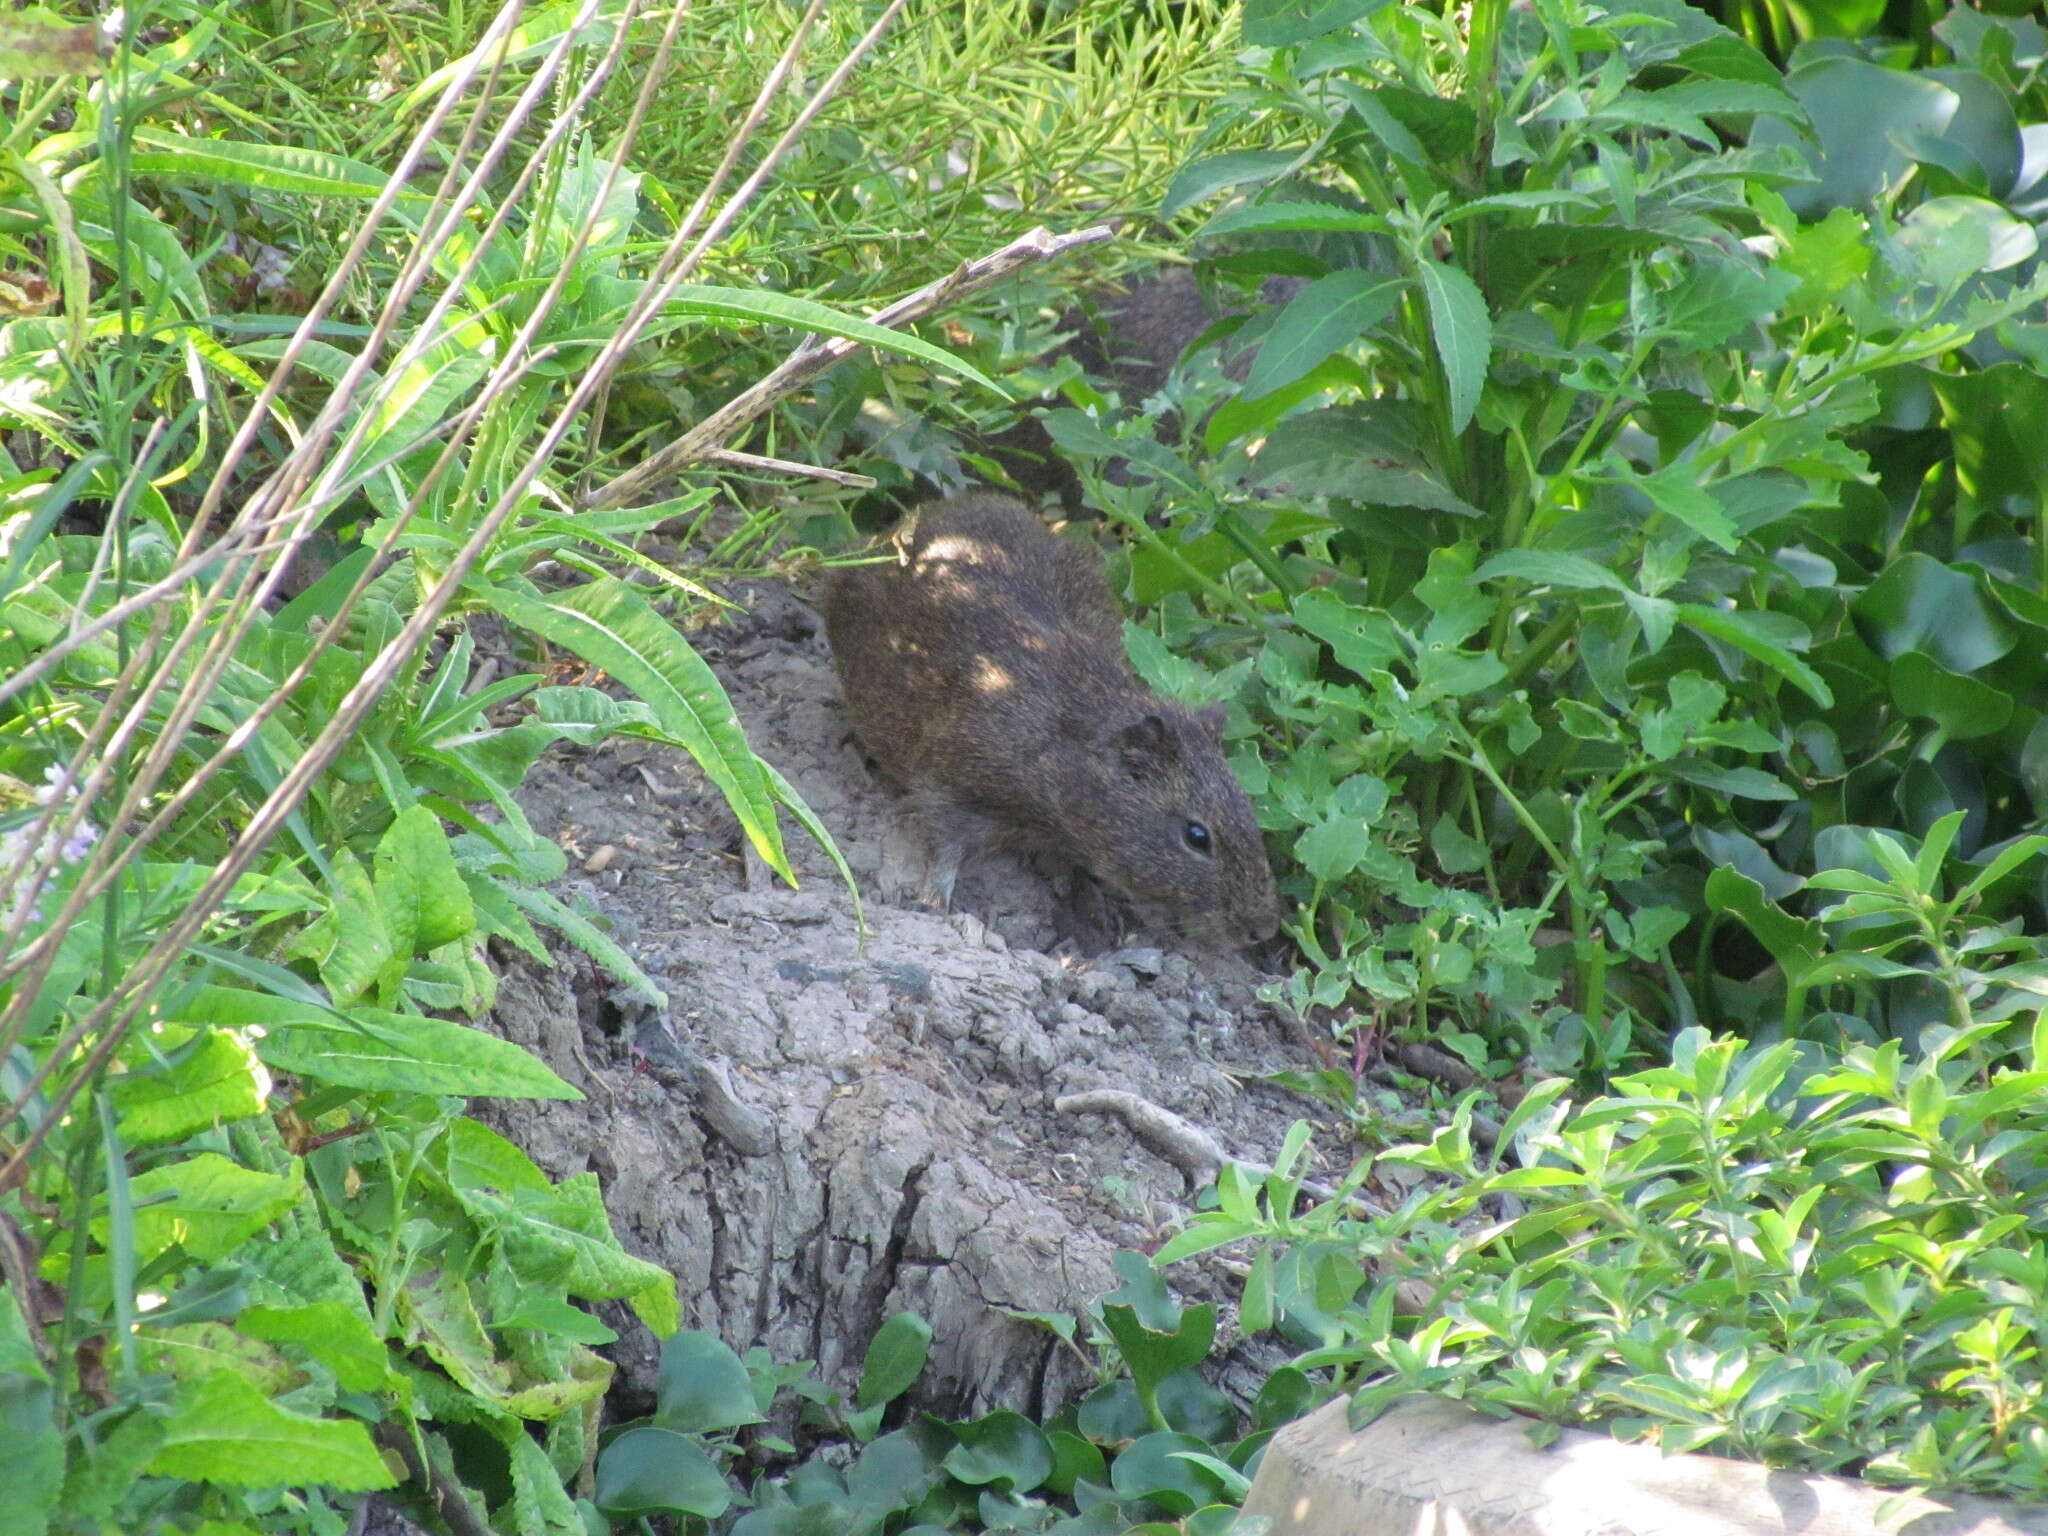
x: 1329, y: 313
x: 216, y: 1079
x: 419, y: 890
x: 1463, y: 332
x: 339, y: 1336
x: 206, y: 1204
x: 223, y: 1430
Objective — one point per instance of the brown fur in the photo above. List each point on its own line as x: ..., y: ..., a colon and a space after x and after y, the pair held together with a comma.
x: 986, y: 671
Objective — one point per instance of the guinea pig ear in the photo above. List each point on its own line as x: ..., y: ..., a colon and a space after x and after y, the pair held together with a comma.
x: 1213, y: 719
x: 1146, y: 746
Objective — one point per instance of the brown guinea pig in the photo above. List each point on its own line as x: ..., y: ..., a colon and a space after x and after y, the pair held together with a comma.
x: 985, y: 670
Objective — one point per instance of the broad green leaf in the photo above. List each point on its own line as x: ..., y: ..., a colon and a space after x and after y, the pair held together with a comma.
x: 479, y: 1158
x: 612, y: 625
x: 1795, y: 943
x: 565, y: 1238
x: 1952, y: 238
x: 223, y: 1430
x: 214, y: 1078
x: 1358, y: 453
x: 649, y: 1470
x: 375, y: 1048
x: 1005, y: 1451
x: 419, y: 890
x: 1283, y: 23
x: 1463, y: 333
x: 703, y: 1387
x: 192, y: 1350
x: 1332, y: 849
x: 1918, y: 604
x: 1860, y: 112
x: 206, y: 1204
x: 767, y: 307
x: 1962, y: 707
x: 1150, y: 1468
x: 1329, y: 313
x: 35, y: 1452
x: 895, y: 1357
x: 1201, y: 180
x: 339, y: 1336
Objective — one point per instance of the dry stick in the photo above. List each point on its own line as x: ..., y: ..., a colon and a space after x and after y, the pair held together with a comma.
x: 141, y: 981
x: 1190, y: 1148
x: 820, y: 353
x: 762, y: 462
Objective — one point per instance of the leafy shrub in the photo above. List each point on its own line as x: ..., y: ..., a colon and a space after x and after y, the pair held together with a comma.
x: 1155, y: 1449
x: 1589, y: 513
x: 1831, y: 1265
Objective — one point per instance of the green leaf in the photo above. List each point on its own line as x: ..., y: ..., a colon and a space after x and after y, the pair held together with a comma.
x: 1360, y: 453
x: 216, y: 1078
x: 35, y: 1451
x: 1270, y: 218
x: 771, y: 308
x: 564, y: 1237
x: 266, y: 167
x: 1794, y: 942
x: 337, y: 1335
x: 1332, y: 849
x: 1329, y: 313
x: 1549, y: 568
x: 1960, y: 706
x: 1283, y: 23
x: 419, y: 890
x: 1005, y: 1450
x: 650, y: 1470
x: 206, y: 1204
x: 410, y: 1053
x: 1200, y: 180
x: 1150, y: 1468
x: 703, y: 1386
x: 610, y: 624
x: 548, y: 908
x: 223, y: 1430
x: 1860, y: 113
x: 895, y: 1357
x: 1743, y: 631
x: 1464, y: 336
x: 1678, y: 495
x: 1918, y: 604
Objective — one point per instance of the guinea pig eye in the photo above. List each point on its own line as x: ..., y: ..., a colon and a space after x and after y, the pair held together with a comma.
x: 1197, y: 836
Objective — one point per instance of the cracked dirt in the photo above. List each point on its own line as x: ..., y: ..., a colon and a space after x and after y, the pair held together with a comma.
x: 816, y: 1134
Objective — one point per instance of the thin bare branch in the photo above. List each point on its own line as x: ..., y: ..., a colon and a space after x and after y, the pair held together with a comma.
x: 821, y: 353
